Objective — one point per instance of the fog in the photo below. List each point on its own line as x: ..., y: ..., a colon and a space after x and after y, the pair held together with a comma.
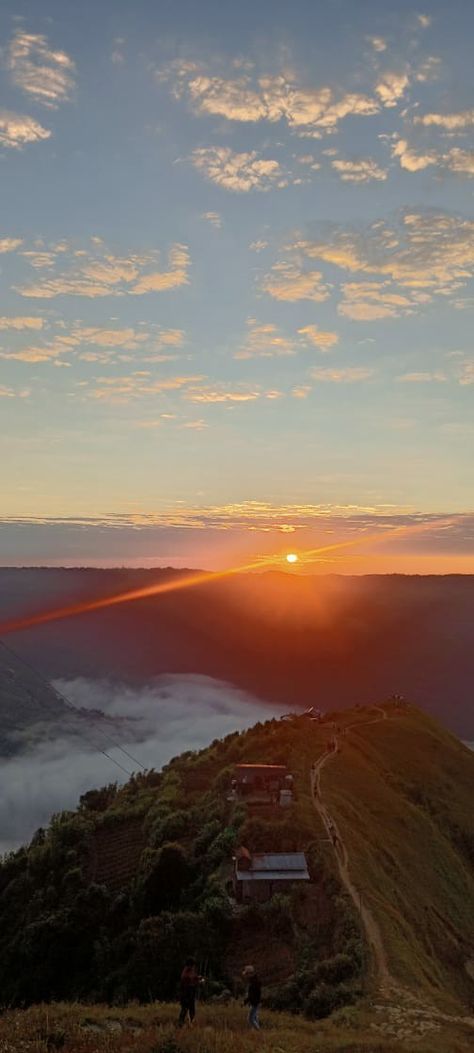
x: 153, y: 723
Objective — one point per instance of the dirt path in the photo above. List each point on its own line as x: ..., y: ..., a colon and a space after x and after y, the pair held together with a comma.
x: 371, y: 928
x: 405, y: 1015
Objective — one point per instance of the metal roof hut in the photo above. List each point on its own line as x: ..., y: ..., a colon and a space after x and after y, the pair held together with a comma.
x: 261, y: 781
x: 259, y: 876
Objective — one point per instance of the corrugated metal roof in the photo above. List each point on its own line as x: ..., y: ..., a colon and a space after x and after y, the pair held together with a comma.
x: 275, y: 866
x: 272, y: 875
x: 279, y: 861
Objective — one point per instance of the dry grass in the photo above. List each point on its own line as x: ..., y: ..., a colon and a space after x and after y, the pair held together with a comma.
x: 138, y: 1029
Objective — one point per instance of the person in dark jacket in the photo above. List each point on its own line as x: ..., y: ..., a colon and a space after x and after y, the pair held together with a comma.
x: 254, y: 996
x: 189, y: 983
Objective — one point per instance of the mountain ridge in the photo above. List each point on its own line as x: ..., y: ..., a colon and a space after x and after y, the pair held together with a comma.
x: 398, y: 791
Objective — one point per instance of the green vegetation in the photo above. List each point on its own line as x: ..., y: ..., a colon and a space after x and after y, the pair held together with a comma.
x: 105, y: 904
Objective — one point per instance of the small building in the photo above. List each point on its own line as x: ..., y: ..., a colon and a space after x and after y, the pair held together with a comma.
x: 259, y: 876
x: 261, y: 780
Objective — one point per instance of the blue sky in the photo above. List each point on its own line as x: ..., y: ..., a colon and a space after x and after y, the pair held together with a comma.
x: 237, y: 250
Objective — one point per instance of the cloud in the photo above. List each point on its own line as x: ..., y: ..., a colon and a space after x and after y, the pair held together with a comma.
x: 220, y: 394
x: 369, y: 301
x: 466, y: 375
x: 17, y: 130
x: 11, y: 393
x: 238, y: 172
x: 410, y: 159
x: 288, y: 281
x: 44, y: 74
x: 259, y: 245
x: 319, y: 338
x: 362, y: 171
x: 391, y: 87
x: 96, y: 272
x: 378, y: 43
x: 153, y: 722
x: 347, y: 375
x: 135, y: 385
x: 266, y: 341
x: 109, y: 344
x: 450, y: 122
x: 455, y: 160
x: 422, y: 377
x: 214, y: 218
x: 9, y: 244
x: 306, y: 110
x: 425, y: 251
x: 21, y: 323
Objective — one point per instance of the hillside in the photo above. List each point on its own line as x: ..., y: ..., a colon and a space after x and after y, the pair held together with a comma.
x: 299, y: 640
x: 105, y: 904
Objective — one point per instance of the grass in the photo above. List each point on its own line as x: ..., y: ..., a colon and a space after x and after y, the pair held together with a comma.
x: 76, y: 1028
x: 394, y: 790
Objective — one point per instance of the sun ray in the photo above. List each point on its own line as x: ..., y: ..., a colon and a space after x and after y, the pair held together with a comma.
x: 206, y: 577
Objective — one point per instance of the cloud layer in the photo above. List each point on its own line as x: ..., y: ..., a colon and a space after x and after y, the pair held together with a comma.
x: 154, y: 723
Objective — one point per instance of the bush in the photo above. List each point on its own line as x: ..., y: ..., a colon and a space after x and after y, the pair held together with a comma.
x: 324, y: 998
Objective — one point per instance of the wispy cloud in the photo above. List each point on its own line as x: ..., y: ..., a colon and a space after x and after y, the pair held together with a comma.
x: 12, y: 393
x: 347, y: 375
x: 97, y: 344
x: 214, y: 218
x: 449, y: 122
x: 272, y: 98
x: 423, y: 377
x: 96, y: 272
x: 240, y: 172
x: 289, y: 281
x: 17, y: 130
x: 369, y: 301
x: 9, y: 244
x: 222, y: 394
x: 21, y: 322
x: 378, y: 43
x: 322, y: 339
x: 391, y: 87
x: 456, y: 160
x: 139, y: 384
x: 426, y: 251
x: 265, y: 340
x: 363, y: 170
x: 45, y: 74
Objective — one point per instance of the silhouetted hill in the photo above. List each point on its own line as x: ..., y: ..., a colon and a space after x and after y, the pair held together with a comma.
x: 334, y: 641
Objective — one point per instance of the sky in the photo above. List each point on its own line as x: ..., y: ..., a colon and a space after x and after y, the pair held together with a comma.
x: 236, y: 261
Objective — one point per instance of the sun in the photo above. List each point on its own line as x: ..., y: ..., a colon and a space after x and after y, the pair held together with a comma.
x: 292, y: 557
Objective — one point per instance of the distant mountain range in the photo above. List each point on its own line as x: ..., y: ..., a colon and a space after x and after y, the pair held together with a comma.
x: 331, y: 641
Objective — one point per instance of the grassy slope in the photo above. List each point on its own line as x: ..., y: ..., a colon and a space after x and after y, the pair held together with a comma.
x: 401, y: 791
x: 79, y: 1029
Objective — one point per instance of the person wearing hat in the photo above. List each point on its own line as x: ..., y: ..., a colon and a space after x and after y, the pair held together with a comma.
x: 254, y: 996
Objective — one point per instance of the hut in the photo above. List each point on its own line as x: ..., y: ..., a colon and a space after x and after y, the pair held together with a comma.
x: 257, y: 876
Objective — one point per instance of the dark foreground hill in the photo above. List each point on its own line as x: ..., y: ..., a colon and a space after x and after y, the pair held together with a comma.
x: 329, y: 640
x: 106, y: 903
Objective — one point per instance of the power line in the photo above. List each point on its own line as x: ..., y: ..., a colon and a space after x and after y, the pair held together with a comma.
x: 79, y: 715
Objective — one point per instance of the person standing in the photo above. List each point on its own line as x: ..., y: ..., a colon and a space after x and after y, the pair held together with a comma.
x: 254, y: 996
x: 188, y: 986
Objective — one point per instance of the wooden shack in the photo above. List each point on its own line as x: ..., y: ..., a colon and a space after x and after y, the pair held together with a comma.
x: 257, y: 876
